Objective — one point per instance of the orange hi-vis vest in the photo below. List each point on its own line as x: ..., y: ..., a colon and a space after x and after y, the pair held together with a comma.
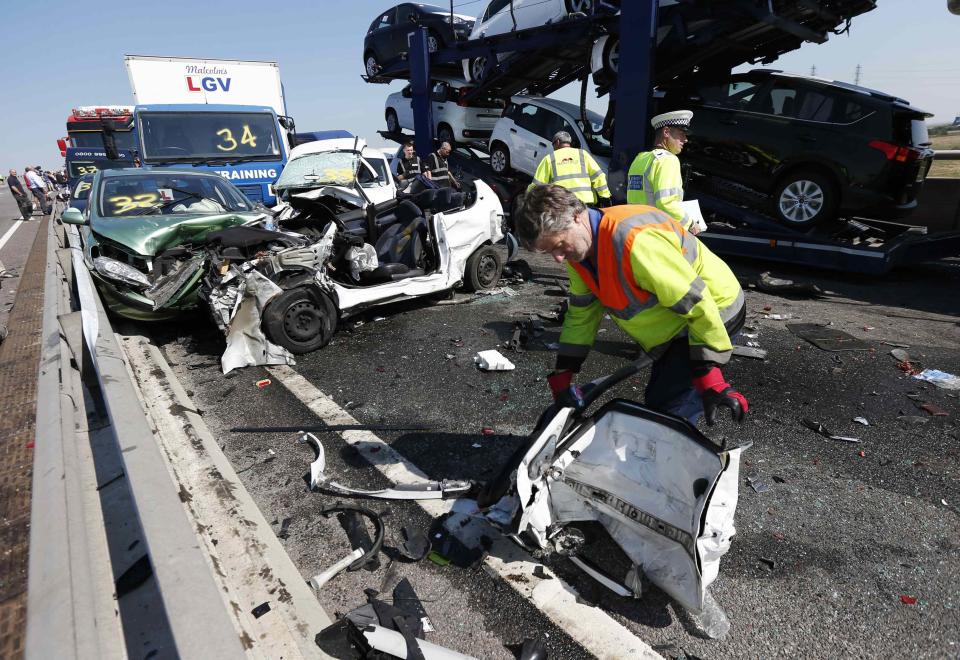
x: 657, y: 281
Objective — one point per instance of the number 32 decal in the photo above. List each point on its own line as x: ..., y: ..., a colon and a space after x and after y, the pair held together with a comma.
x: 124, y: 203
x: 230, y: 143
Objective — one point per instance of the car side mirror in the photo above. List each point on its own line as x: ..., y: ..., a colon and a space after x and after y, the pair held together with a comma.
x: 73, y: 216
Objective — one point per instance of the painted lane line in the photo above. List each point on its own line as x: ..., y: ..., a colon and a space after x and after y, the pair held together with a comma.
x: 591, y: 627
x: 6, y: 236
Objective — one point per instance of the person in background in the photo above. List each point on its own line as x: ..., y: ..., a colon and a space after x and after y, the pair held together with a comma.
x: 439, y: 169
x: 20, y: 194
x: 573, y: 169
x: 37, y: 188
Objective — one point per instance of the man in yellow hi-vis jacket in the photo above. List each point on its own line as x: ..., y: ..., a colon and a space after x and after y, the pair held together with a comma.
x: 574, y: 169
x: 661, y: 285
x: 654, y: 177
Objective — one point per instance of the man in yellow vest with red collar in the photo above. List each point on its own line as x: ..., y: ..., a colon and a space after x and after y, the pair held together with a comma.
x: 661, y: 285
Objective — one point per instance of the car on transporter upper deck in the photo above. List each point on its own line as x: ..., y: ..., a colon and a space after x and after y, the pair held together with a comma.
x: 388, y: 37
x: 818, y: 148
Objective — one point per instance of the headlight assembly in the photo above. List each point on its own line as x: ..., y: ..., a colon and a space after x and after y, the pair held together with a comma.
x: 120, y: 272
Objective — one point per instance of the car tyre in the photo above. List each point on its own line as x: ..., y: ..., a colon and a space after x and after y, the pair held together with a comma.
x: 805, y: 199
x: 371, y: 64
x: 445, y: 134
x: 433, y: 42
x: 301, y: 320
x: 478, y: 69
x: 393, y: 124
x: 500, y: 158
x: 483, y: 269
x: 579, y: 6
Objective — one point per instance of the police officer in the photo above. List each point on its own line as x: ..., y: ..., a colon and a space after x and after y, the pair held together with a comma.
x: 436, y: 164
x: 654, y: 177
x: 660, y: 284
x: 575, y: 170
x: 409, y: 166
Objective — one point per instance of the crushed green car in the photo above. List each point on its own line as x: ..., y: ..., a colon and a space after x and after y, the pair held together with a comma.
x: 143, y: 233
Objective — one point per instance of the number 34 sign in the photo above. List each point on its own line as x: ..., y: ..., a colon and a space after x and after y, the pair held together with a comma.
x: 230, y: 143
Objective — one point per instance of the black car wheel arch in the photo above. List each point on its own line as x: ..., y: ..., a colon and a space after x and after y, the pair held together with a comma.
x: 804, y: 198
x: 301, y: 319
x: 393, y: 124
x: 483, y: 269
x: 445, y: 134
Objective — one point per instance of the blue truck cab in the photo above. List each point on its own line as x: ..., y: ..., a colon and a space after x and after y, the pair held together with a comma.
x: 242, y: 143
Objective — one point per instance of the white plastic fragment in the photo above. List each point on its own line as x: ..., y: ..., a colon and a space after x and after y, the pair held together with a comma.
x: 861, y: 420
x: 493, y: 361
x: 320, y: 579
x: 940, y: 378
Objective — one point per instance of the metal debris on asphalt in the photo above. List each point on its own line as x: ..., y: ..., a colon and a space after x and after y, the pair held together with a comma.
x: 822, y: 430
x: 757, y: 484
x: 827, y: 339
x: 775, y: 285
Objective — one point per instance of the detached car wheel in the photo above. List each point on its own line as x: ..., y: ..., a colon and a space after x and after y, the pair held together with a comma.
x: 500, y: 158
x: 300, y: 320
x: 805, y: 199
x: 483, y: 269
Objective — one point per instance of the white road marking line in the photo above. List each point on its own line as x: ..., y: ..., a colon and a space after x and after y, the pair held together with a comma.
x: 591, y: 627
x: 9, y: 233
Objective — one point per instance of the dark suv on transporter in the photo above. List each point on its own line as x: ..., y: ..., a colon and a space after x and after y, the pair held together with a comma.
x: 818, y: 148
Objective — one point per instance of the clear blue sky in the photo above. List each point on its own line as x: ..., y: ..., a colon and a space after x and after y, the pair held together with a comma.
x: 75, y: 51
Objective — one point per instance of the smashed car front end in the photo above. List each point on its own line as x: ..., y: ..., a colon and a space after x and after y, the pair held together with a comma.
x: 151, y: 271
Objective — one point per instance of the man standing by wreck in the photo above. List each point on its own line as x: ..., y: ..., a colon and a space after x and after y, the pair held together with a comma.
x: 661, y: 285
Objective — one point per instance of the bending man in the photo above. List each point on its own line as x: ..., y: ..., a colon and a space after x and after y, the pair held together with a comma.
x: 660, y: 284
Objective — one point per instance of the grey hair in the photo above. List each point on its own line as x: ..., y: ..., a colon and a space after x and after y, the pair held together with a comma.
x: 545, y: 209
x: 562, y: 137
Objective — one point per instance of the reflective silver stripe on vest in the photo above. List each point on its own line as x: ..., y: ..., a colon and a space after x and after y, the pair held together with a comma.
x: 666, y: 192
x: 438, y: 173
x: 707, y: 354
x: 581, y: 300
x: 690, y: 299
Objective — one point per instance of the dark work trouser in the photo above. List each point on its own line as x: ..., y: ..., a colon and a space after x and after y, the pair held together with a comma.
x: 41, y: 196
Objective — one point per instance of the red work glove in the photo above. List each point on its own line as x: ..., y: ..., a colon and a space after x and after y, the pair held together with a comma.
x: 715, y: 392
x: 559, y: 382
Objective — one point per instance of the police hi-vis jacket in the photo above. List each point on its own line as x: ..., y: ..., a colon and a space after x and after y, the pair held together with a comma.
x: 575, y: 170
x: 654, y: 178
x: 657, y: 281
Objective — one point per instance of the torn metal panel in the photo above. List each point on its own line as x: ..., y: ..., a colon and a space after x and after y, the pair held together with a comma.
x: 425, y: 490
x: 247, y: 345
x: 664, y: 493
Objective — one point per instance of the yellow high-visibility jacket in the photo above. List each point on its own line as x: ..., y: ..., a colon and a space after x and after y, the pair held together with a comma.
x: 575, y: 170
x: 657, y: 281
x: 654, y: 179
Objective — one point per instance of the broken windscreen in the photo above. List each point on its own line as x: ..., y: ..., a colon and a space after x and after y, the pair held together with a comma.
x: 328, y: 168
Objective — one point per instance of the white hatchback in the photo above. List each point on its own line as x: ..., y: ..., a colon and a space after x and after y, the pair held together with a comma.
x: 524, y: 134
x: 454, y: 120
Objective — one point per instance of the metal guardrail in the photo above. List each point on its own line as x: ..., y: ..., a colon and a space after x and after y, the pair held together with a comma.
x: 115, y: 566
